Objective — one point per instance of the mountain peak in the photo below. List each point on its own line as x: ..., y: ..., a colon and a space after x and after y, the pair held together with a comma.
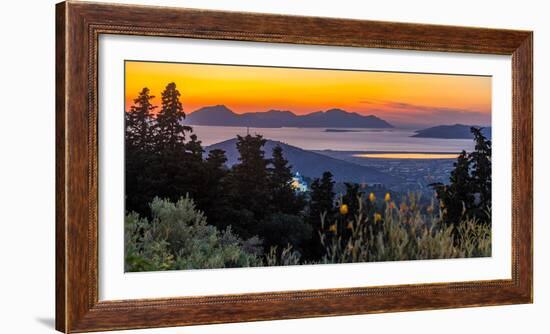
x: 336, y: 111
x: 219, y: 108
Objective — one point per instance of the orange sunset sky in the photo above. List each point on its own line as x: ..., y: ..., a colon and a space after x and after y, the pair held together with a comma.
x: 399, y: 98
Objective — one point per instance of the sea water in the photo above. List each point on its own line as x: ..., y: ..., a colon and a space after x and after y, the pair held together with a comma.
x: 361, y: 140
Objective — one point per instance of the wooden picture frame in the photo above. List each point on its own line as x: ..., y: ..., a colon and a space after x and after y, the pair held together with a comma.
x: 78, y: 26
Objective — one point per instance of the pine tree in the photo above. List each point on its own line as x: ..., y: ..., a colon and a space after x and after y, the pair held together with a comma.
x: 178, y: 164
x: 139, y: 122
x: 481, y: 175
x: 191, y: 172
x: 215, y: 162
x: 468, y: 194
x: 170, y: 130
x: 457, y: 198
x: 249, y: 185
x: 194, y: 147
x: 321, y: 203
x: 322, y: 195
x: 215, y: 203
x: 283, y: 197
x: 139, y: 125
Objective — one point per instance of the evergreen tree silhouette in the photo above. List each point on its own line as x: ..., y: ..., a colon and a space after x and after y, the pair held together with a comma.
x: 177, y: 163
x: 283, y: 197
x: 457, y: 197
x: 249, y: 185
x: 215, y: 202
x: 139, y: 122
x: 468, y: 194
x: 170, y: 130
x: 215, y: 163
x: 321, y: 202
x: 481, y: 175
x: 139, y: 134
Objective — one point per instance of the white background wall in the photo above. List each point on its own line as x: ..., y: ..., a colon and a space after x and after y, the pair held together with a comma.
x: 27, y: 69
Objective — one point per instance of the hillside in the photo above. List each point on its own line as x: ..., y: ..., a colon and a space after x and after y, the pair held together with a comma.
x: 457, y: 131
x: 220, y: 115
x: 312, y: 164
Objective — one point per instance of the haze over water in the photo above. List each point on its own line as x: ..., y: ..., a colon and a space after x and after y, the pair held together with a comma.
x: 363, y: 140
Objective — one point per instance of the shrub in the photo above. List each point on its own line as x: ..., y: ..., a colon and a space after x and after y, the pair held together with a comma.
x: 178, y: 237
x: 143, y: 252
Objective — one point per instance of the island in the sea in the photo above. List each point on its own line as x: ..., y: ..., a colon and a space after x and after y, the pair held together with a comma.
x: 456, y: 131
x: 221, y: 115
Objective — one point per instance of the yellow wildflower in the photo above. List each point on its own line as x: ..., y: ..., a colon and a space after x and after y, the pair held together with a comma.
x: 372, y: 198
x: 332, y: 228
x: 344, y: 209
x: 387, y: 198
x: 377, y: 217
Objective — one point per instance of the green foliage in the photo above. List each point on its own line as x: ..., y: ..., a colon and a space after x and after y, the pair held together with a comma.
x: 139, y: 126
x: 392, y: 234
x: 387, y: 233
x: 177, y: 166
x: 280, y: 230
x: 286, y: 257
x: 143, y: 250
x: 457, y: 197
x: 283, y: 197
x: 259, y: 187
x: 468, y: 195
x: 178, y: 237
x: 170, y: 133
x: 139, y: 133
x: 481, y: 175
x: 321, y: 203
x: 215, y: 202
x: 164, y: 158
x: 249, y: 180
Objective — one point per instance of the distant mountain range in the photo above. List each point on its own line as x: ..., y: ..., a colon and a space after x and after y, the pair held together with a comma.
x: 220, y: 115
x: 457, y: 131
x: 312, y: 164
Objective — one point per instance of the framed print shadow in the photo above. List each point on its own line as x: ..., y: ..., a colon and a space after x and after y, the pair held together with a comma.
x: 220, y: 167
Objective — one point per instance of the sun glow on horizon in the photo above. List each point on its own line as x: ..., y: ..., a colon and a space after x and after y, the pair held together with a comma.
x: 396, y: 97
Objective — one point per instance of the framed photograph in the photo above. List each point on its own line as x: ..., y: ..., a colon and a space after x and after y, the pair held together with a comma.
x: 222, y: 167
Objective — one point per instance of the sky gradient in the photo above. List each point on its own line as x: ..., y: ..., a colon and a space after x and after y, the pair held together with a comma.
x: 399, y: 98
